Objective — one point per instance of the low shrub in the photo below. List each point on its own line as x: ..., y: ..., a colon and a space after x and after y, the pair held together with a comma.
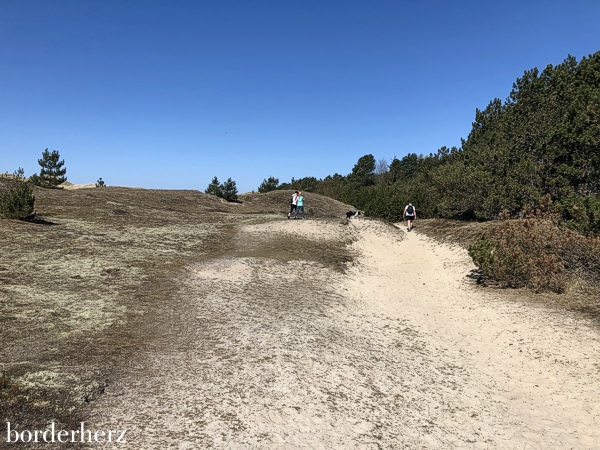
x: 16, y: 197
x: 537, y: 252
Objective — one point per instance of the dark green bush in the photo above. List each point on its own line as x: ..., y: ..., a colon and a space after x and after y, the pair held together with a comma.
x: 308, y: 184
x: 16, y: 197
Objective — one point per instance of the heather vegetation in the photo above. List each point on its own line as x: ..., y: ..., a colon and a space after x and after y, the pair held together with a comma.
x: 539, y: 252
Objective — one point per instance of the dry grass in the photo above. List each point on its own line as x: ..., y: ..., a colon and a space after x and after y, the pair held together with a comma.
x: 81, y: 288
x: 315, y: 206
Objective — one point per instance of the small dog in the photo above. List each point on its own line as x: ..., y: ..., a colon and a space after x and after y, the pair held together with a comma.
x: 351, y: 214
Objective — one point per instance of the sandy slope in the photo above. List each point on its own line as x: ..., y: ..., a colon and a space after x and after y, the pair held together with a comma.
x: 530, y: 377
x: 401, y: 351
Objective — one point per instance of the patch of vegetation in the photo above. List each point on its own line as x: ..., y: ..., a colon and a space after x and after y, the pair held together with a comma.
x: 52, y: 172
x: 214, y: 188
x: 89, y: 284
x: 450, y: 231
x: 227, y: 191
x: 334, y: 253
x: 16, y: 197
x: 578, y: 281
x: 268, y: 185
x: 537, y: 252
x: 29, y: 402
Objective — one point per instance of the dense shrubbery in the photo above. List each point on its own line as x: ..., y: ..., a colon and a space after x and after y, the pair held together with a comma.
x: 544, y: 139
x: 16, y: 197
x: 523, y: 253
x: 537, y: 252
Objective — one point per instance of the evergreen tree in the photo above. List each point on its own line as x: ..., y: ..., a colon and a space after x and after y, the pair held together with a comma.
x: 229, y: 190
x: 268, y: 185
x: 52, y: 173
x: 214, y: 188
x: 394, y: 171
x: 363, y: 172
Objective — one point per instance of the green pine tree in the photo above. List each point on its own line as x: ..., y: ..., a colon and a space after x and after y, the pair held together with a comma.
x: 229, y: 190
x: 268, y: 185
x: 214, y: 188
x: 363, y: 172
x: 52, y: 173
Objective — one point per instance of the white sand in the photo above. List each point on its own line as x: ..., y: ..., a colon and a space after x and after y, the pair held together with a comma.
x: 531, y: 375
x: 70, y: 186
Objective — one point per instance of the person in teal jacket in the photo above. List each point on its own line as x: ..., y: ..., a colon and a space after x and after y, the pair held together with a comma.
x: 300, y: 206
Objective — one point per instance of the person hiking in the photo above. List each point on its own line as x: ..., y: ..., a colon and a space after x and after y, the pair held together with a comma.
x: 299, y: 206
x: 293, y: 203
x: 410, y: 214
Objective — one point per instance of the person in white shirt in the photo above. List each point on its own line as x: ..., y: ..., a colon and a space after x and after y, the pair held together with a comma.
x: 410, y: 214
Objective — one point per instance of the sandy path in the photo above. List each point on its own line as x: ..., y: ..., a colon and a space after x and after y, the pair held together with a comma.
x: 531, y: 376
x: 401, y: 351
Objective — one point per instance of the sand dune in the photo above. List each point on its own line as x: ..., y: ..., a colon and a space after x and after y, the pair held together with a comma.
x: 400, y: 350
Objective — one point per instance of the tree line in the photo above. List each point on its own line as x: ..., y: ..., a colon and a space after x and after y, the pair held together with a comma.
x: 542, y: 141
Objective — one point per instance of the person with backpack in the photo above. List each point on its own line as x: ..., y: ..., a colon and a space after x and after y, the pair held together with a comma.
x: 410, y: 214
x: 300, y: 203
x: 293, y: 201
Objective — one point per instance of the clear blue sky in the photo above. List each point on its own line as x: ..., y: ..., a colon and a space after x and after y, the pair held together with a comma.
x: 167, y: 94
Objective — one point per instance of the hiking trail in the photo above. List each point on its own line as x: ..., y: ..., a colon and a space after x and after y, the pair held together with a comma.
x: 402, y: 350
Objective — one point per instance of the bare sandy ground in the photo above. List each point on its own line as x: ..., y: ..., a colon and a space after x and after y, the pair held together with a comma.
x: 400, y: 351
x: 70, y: 186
